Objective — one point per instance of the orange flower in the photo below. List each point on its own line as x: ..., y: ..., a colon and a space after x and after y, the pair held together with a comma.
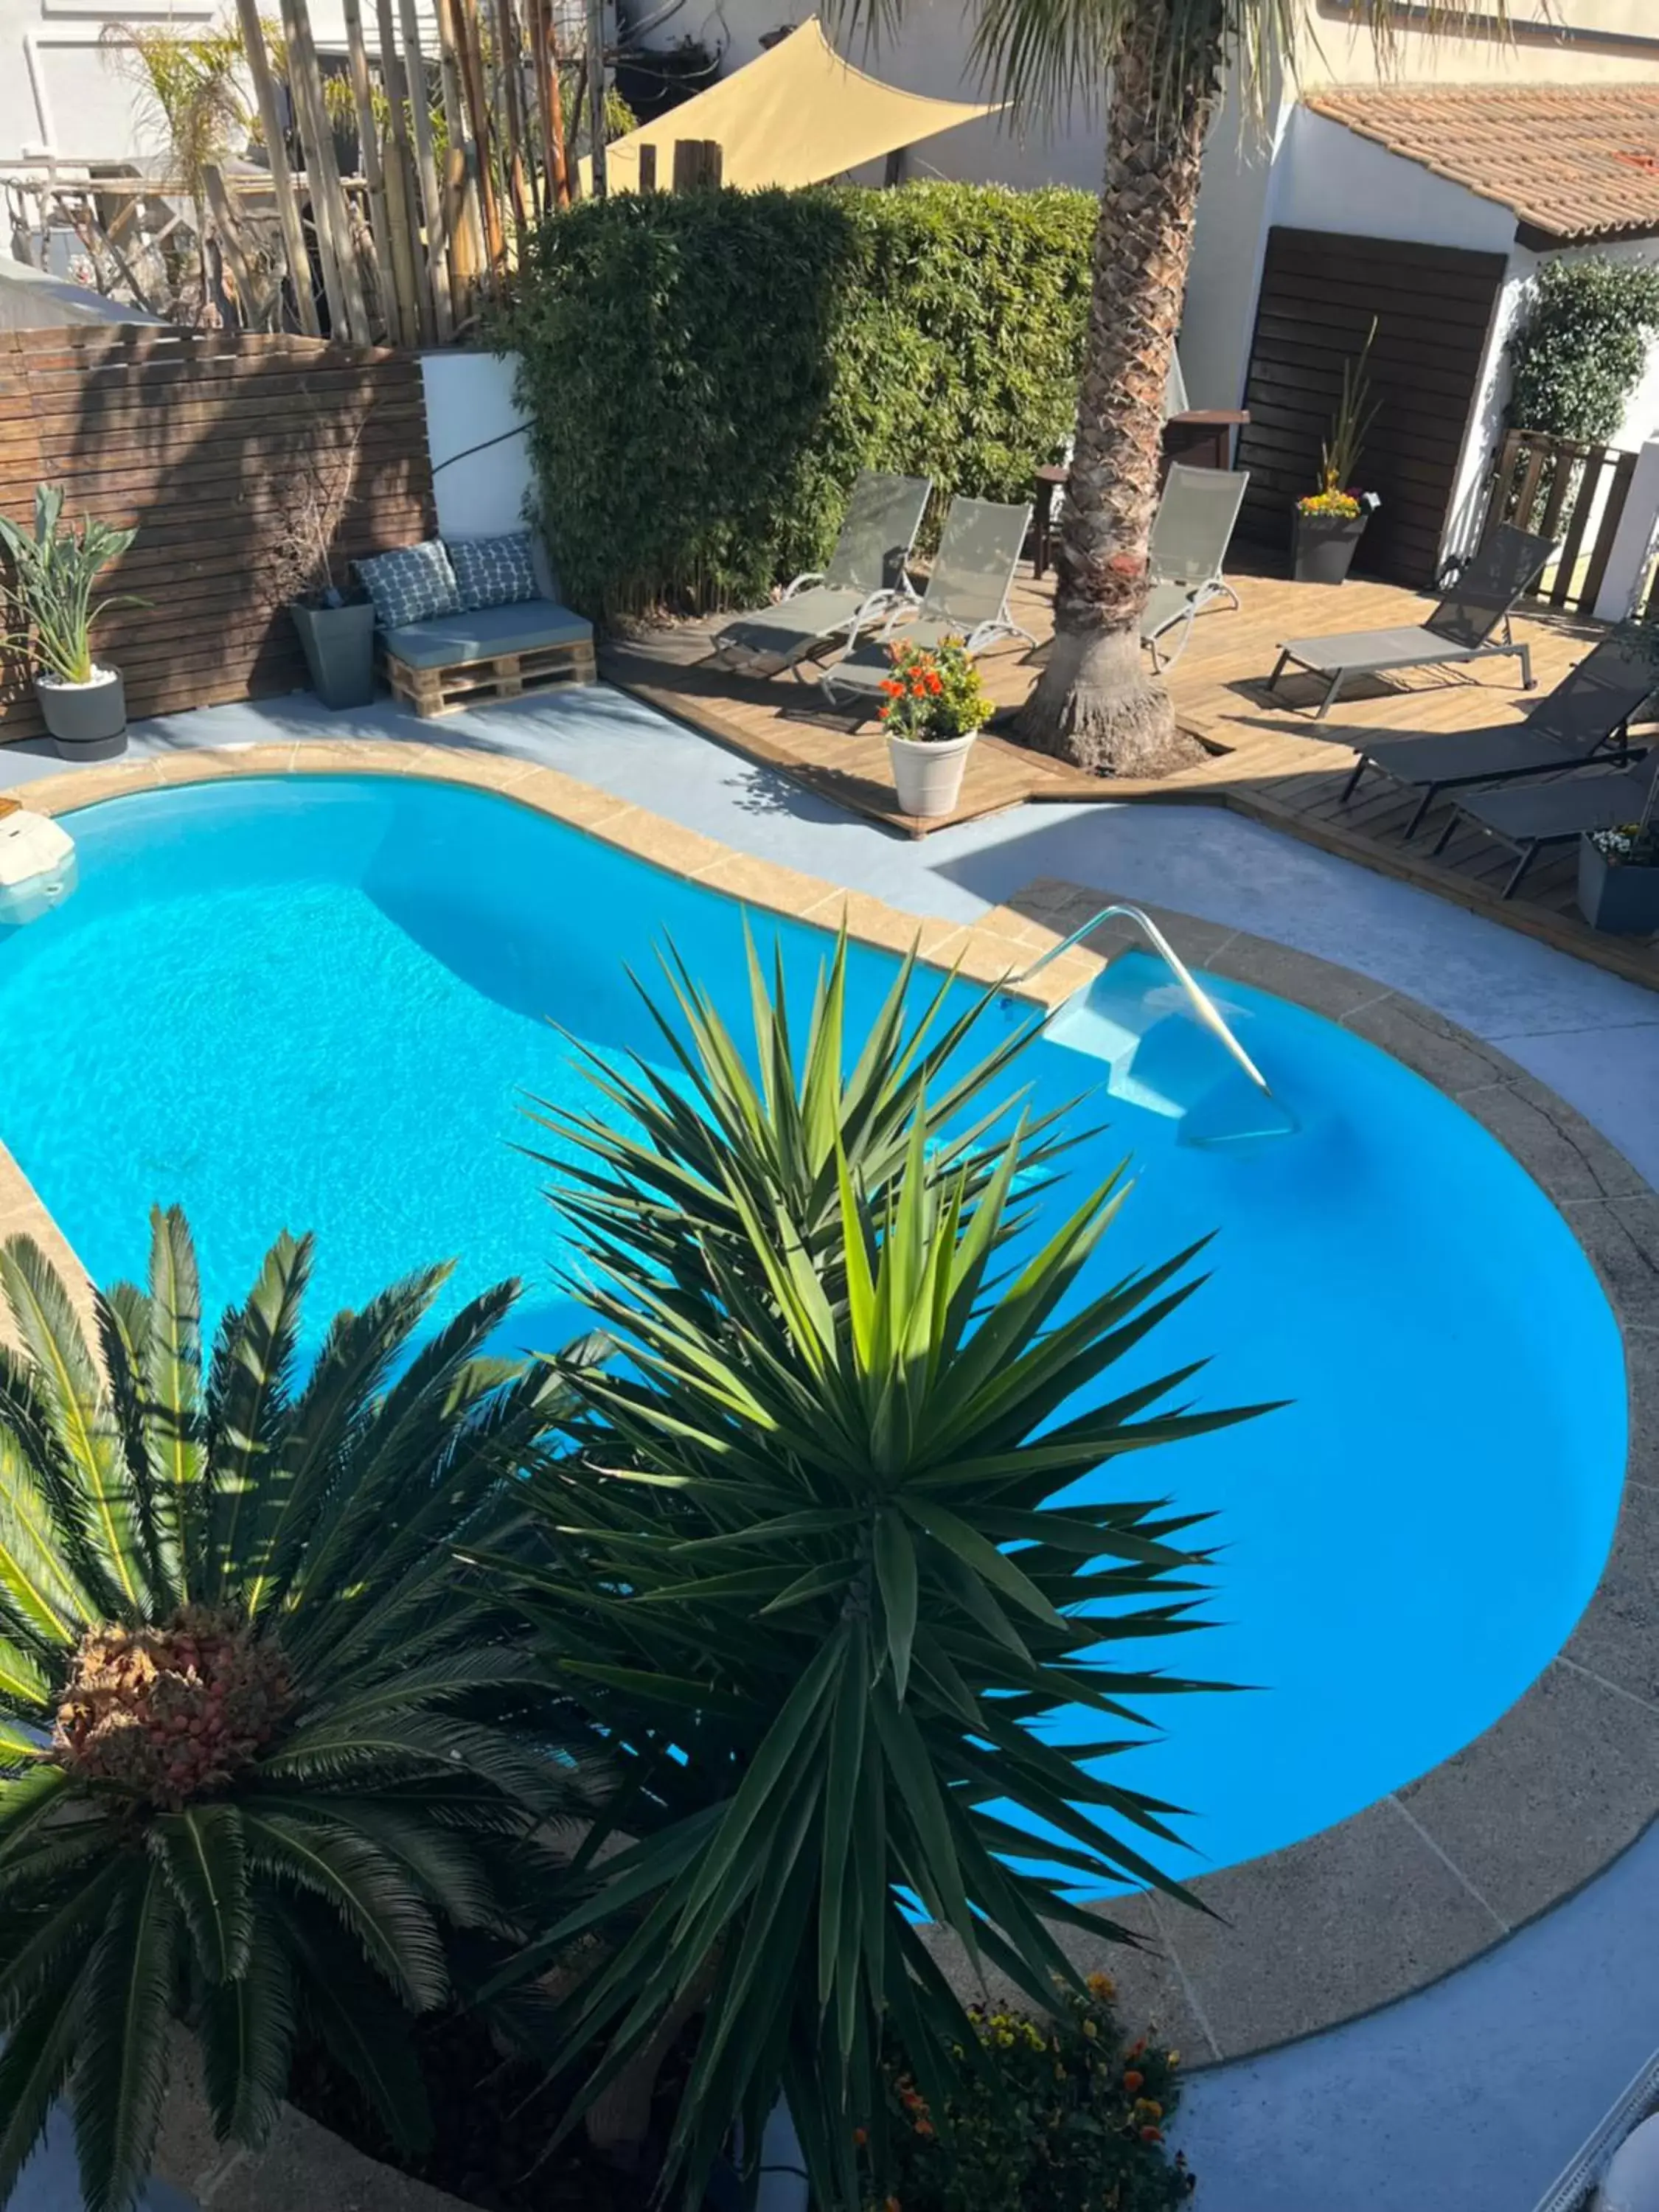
x: 924, y: 2126
x: 860, y: 2136
x: 891, y: 688
x: 1151, y: 2135
x: 1131, y: 2080
x: 935, y: 682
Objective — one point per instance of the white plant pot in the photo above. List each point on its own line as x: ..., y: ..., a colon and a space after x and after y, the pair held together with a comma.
x: 927, y: 773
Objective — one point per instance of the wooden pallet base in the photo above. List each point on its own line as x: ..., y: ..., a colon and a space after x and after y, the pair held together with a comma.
x: 451, y: 690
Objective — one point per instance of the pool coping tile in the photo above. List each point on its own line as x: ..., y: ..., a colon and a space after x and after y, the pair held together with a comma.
x: 1412, y: 1886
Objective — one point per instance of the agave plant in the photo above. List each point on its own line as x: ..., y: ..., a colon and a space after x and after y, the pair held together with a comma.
x: 687, y: 1156
x: 781, y: 1581
x: 48, y: 595
x: 262, y: 1748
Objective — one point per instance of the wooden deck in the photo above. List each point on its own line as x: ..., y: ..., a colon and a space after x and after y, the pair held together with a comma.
x: 1268, y: 759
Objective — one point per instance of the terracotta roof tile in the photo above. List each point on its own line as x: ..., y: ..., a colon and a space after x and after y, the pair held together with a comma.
x: 1574, y: 162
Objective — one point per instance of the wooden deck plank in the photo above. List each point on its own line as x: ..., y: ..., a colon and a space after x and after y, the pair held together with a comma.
x: 1268, y: 759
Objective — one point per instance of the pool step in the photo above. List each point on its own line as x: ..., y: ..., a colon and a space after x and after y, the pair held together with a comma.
x: 1159, y: 1059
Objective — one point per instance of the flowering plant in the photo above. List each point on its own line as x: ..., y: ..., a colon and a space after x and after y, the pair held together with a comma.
x: 1346, y: 505
x: 932, y: 695
x: 1066, y: 2114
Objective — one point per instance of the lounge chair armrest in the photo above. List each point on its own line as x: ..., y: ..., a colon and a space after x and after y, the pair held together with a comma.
x: 807, y: 576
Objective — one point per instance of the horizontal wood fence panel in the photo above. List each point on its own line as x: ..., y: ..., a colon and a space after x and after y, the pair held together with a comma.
x: 1434, y: 306
x: 206, y: 445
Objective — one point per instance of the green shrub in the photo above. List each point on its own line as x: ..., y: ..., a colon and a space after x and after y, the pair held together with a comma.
x: 1580, y: 351
x: 1060, y: 2117
x: 706, y: 374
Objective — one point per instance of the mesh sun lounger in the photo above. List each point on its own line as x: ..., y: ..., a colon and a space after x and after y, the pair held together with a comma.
x: 1465, y: 626
x: 1588, y: 713
x: 1190, y: 537
x: 967, y: 597
x: 866, y: 578
x: 1552, y: 813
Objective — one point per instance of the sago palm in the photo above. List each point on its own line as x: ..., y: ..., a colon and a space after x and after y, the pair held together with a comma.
x: 263, y: 1748
x: 1162, y: 66
x: 781, y: 1585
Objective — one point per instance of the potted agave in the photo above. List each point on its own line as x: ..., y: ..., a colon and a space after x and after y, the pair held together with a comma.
x: 1330, y: 521
x: 1619, y: 873
x: 48, y: 596
x: 336, y: 628
x: 933, y: 708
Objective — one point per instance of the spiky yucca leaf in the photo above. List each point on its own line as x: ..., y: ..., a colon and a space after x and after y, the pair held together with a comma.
x: 809, y: 1577
x: 263, y: 1746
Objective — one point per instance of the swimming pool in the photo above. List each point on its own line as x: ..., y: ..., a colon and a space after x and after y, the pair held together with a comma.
x: 316, y: 1002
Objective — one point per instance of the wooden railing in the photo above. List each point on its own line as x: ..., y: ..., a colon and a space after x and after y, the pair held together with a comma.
x: 1572, y: 492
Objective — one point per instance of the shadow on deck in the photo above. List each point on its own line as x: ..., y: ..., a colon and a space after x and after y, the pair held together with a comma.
x: 1269, y: 759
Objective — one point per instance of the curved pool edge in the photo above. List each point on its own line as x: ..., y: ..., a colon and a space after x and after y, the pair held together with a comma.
x: 1421, y: 1881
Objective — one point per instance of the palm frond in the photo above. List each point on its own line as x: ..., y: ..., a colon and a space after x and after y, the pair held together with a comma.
x: 121, y: 2051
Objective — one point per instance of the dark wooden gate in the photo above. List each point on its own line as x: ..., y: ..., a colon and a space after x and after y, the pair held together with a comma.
x: 1568, y: 491
x: 1434, y: 306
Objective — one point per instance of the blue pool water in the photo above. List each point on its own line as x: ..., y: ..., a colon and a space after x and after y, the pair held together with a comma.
x: 317, y: 1003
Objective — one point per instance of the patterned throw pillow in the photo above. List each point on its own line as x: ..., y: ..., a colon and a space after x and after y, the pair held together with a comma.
x: 410, y: 584
x: 492, y: 572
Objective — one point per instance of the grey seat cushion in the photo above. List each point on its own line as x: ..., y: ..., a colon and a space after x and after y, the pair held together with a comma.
x: 1593, y: 798
x: 867, y: 668
x: 1467, y: 755
x: 1408, y: 648
x: 790, y: 627
x: 442, y: 641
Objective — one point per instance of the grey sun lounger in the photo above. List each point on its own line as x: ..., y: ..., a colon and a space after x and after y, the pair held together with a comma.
x: 1472, y: 623
x: 967, y: 597
x: 1190, y: 537
x: 867, y: 577
x: 1534, y: 815
x: 1588, y: 714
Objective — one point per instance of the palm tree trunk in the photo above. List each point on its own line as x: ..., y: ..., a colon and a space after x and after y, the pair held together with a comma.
x: 1094, y: 704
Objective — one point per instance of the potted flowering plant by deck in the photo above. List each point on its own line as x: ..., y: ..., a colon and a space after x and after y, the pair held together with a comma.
x: 1330, y: 522
x: 1618, y: 874
x: 48, y: 598
x: 933, y: 708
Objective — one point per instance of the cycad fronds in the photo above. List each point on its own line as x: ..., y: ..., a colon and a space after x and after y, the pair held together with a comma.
x: 261, y: 1742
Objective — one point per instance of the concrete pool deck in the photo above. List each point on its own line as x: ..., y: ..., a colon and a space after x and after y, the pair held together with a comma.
x: 1533, y: 1003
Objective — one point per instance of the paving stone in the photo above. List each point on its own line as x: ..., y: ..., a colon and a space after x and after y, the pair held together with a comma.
x: 1448, y: 1056
x: 1542, y: 1138
x: 1549, y: 1793
x: 1621, y: 1235
x: 1615, y: 1639
x: 1320, y: 985
x: 1334, y: 1926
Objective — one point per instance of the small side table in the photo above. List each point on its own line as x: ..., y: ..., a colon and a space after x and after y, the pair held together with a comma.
x: 1201, y: 439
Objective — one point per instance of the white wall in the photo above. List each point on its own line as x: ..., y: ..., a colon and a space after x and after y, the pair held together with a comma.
x: 470, y: 403
x: 1328, y: 178
x: 1229, y: 243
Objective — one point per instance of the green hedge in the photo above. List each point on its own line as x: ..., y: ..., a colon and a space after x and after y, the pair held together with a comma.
x: 705, y: 374
x: 1580, y: 353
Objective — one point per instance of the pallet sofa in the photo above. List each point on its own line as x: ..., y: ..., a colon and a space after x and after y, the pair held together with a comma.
x: 461, y: 623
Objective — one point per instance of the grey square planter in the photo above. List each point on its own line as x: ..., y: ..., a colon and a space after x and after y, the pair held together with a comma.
x: 1614, y: 896
x: 1323, y: 549
x: 339, y: 650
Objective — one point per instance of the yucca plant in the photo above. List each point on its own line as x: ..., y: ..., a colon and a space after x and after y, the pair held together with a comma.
x: 781, y: 1586
x: 48, y: 593
x: 263, y: 1748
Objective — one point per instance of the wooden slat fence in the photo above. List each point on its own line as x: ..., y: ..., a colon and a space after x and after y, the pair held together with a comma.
x: 1432, y: 305
x: 205, y: 443
x: 1564, y: 490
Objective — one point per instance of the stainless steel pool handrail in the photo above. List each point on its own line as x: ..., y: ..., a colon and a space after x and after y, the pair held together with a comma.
x: 1203, y: 1004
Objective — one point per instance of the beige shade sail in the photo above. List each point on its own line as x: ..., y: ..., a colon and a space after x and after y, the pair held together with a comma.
x: 796, y: 115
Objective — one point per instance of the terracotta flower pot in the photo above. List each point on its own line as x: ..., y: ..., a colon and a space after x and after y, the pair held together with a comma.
x: 927, y: 772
